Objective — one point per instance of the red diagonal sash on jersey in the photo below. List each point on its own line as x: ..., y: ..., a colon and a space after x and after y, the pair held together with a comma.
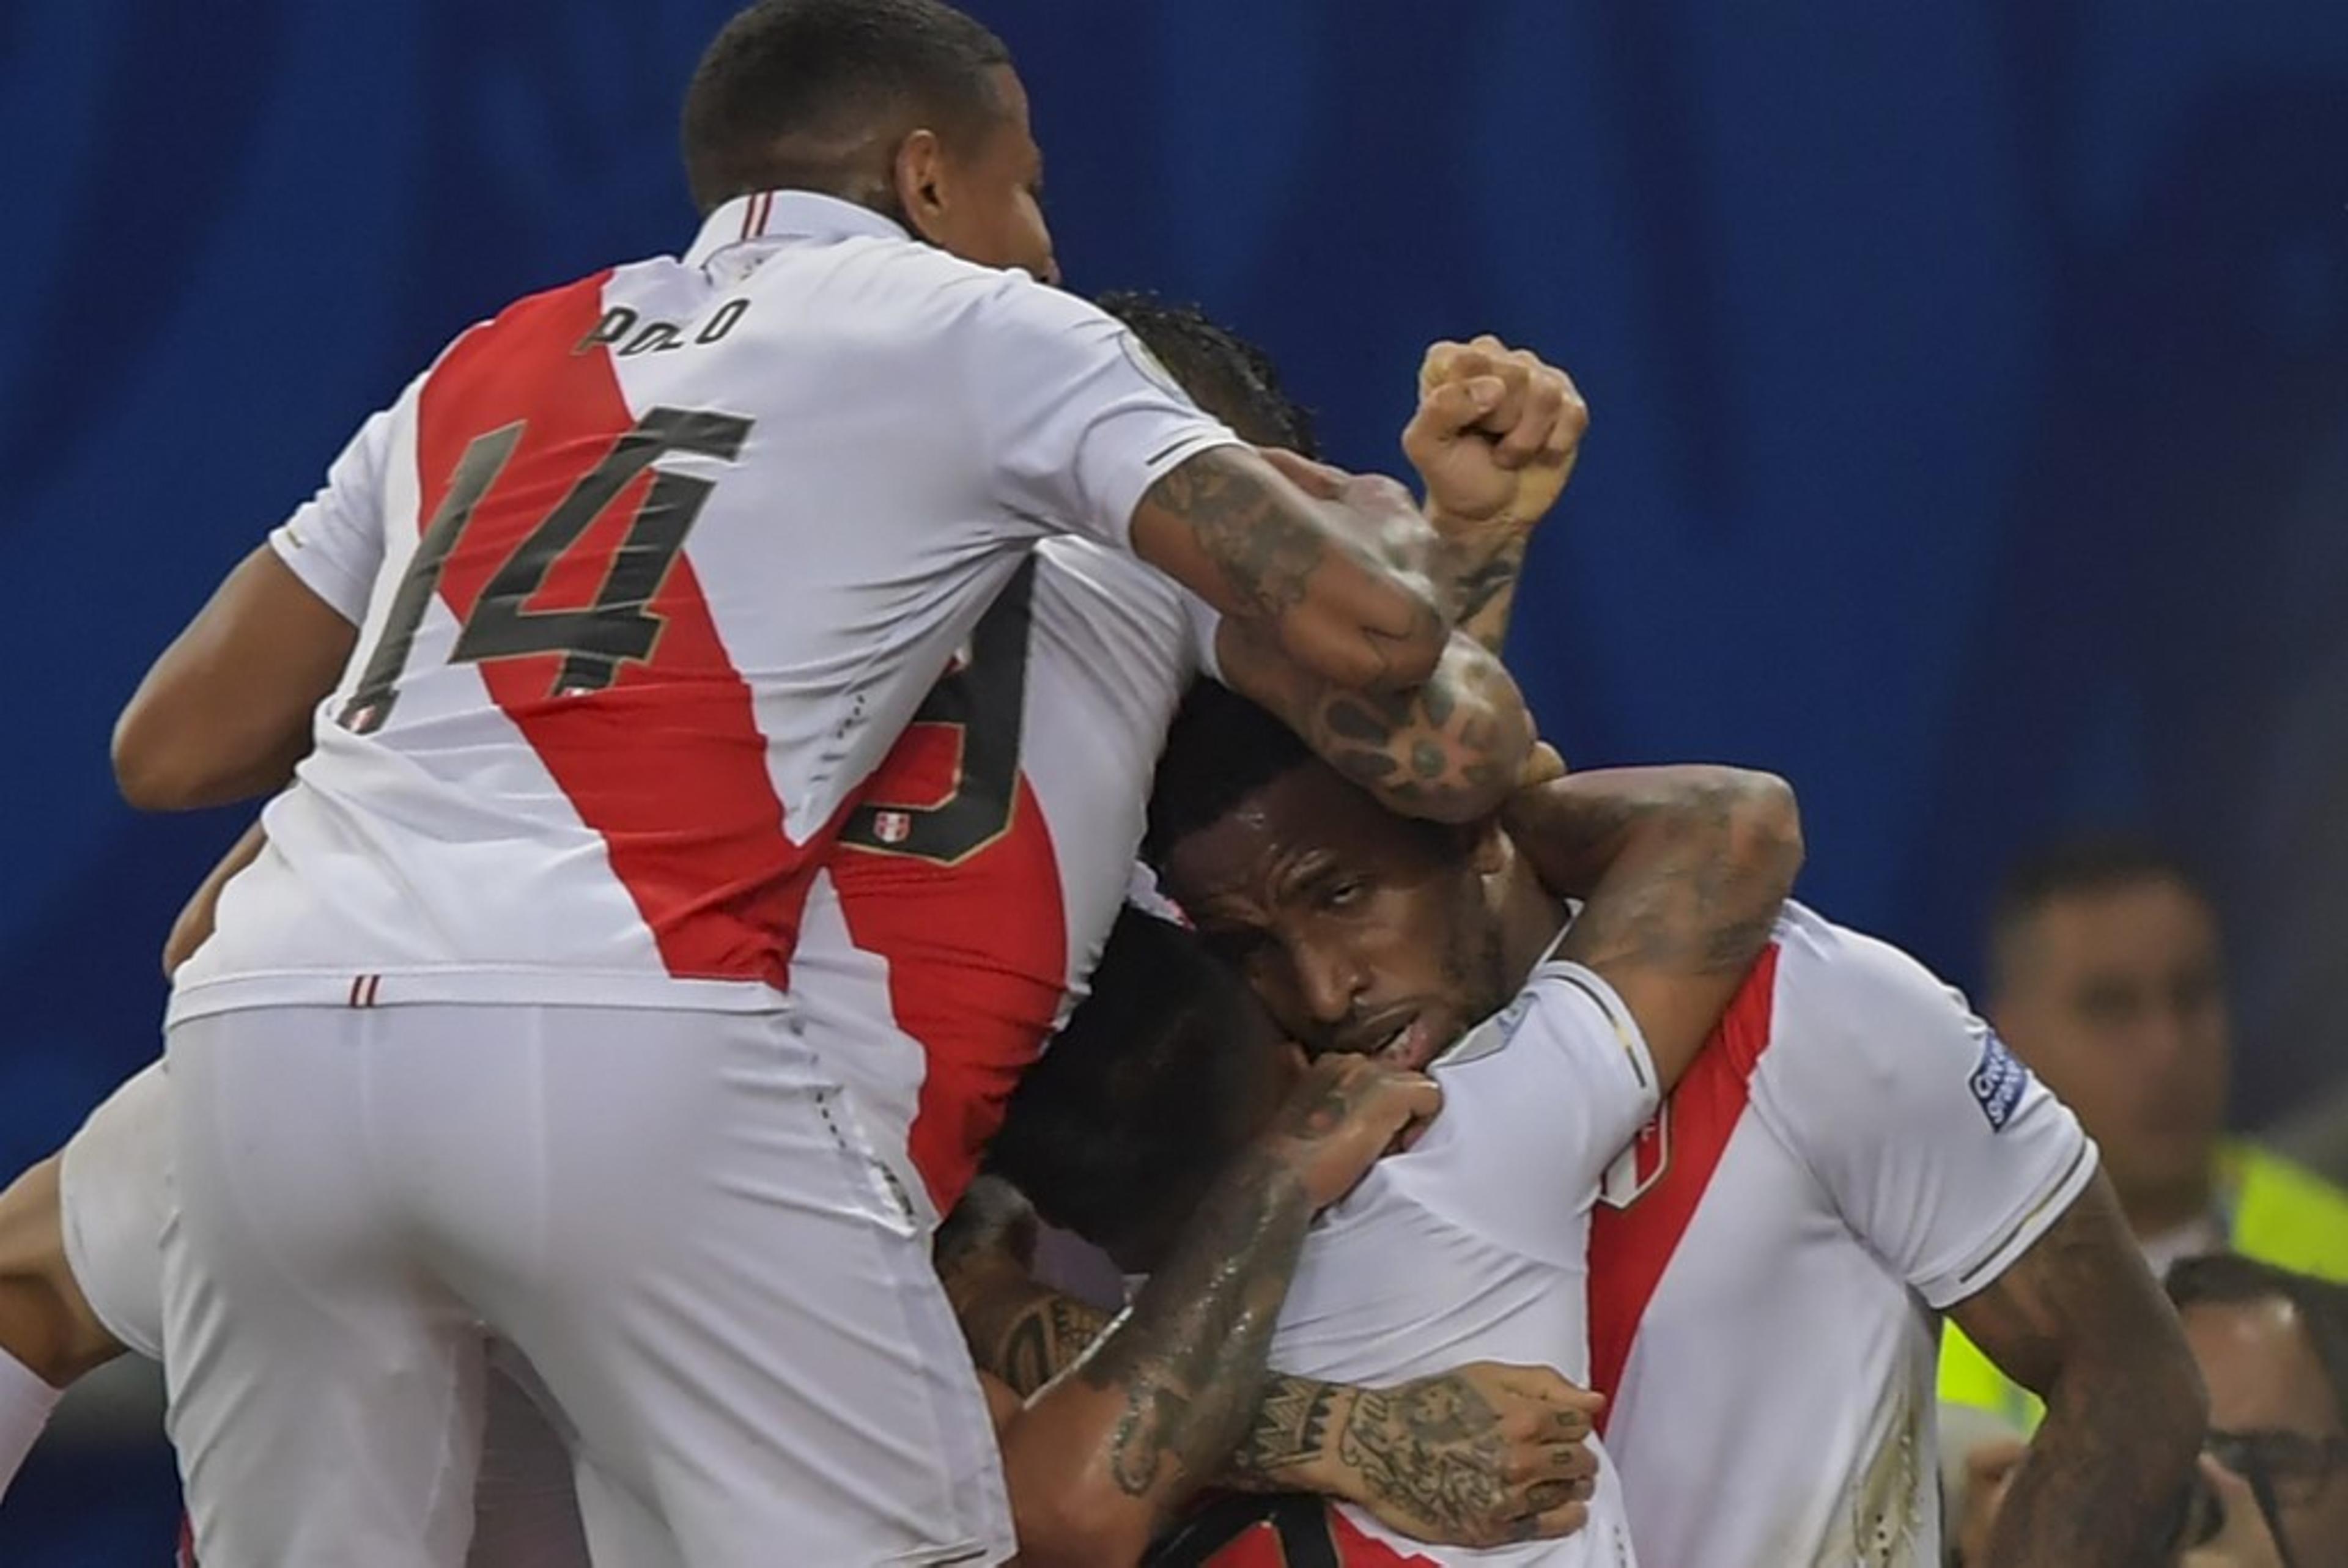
x: 1630, y: 1247
x: 978, y: 958
x: 668, y: 764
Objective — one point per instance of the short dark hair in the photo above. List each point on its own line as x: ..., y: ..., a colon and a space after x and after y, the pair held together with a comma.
x: 2078, y: 867
x: 1229, y: 377
x: 2231, y: 1279
x: 1220, y: 749
x: 1117, y: 1131
x: 790, y: 92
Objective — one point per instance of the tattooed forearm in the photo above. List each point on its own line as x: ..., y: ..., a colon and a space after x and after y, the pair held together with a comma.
x: 1694, y: 861
x: 1448, y: 749
x: 2079, y: 1319
x: 1028, y: 1334
x: 1291, y: 1437
x: 1339, y: 574
x: 1189, y: 1361
x: 1481, y: 588
x: 1265, y: 552
x: 1682, y: 872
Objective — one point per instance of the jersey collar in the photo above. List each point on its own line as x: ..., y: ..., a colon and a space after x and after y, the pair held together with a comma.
x: 795, y: 214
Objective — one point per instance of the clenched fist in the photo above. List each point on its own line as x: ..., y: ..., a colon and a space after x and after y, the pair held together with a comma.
x: 1495, y: 436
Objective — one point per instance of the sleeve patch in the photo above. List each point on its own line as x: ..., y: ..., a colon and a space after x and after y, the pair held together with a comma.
x: 1998, y: 1081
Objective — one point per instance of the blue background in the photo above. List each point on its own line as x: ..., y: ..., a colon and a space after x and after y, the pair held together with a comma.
x: 1971, y: 394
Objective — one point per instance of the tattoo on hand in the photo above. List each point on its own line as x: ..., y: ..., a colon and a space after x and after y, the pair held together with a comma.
x: 1427, y: 1450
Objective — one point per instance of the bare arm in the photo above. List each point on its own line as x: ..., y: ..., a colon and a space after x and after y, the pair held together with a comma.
x: 1337, y: 576
x: 1494, y: 437
x: 1448, y: 749
x: 1475, y: 1457
x: 1102, y: 1457
x: 2078, y: 1321
x: 224, y: 715
x: 1682, y: 870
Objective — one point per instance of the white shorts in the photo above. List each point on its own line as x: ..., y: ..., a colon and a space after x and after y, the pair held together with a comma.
x: 659, y: 1210
x: 114, y: 1190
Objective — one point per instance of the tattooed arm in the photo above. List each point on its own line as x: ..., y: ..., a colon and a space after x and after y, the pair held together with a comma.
x: 1102, y: 1456
x: 1495, y: 440
x: 1334, y: 567
x: 1481, y: 1455
x: 1449, y: 750
x: 1682, y: 871
x: 1475, y: 1457
x: 2078, y: 1321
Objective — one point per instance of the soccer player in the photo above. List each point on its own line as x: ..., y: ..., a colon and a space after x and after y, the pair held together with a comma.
x: 1852, y: 1154
x: 1473, y: 1242
x: 616, y: 608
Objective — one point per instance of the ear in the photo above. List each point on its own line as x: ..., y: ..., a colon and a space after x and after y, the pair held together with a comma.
x: 918, y: 174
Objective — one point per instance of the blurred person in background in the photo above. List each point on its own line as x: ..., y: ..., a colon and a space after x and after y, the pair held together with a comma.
x: 2107, y: 978
x: 2272, y: 1346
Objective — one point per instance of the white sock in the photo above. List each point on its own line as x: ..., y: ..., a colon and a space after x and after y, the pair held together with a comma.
x: 26, y: 1403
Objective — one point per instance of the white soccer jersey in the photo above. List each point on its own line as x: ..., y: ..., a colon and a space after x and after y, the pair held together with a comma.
x: 1853, y: 1152
x: 650, y: 570
x: 974, y: 885
x: 1473, y: 1244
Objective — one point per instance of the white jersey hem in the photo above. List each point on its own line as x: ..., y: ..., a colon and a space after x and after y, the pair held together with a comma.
x: 468, y: 987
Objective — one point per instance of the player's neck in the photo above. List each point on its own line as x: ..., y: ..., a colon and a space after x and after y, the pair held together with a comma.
x: 1530, y: 923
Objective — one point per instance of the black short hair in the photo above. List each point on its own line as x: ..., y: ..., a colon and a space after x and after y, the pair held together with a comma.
x: 792, y: 92
x: 1220, y: 749
x: 2231, y: 1279
x: 2078, y: 867
x: 1117, y: 1131
x: 1227, y: 375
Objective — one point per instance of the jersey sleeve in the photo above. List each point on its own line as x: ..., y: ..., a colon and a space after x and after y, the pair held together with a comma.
x: 1944, y: 1153
x: 1080, y: 419
x: 333, y: 541
x: 1537, y: 1102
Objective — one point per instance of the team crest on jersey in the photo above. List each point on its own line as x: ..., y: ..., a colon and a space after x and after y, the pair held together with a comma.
x: 1640, y: 1165
x: 1998, y: 1081
x: 891, y: 826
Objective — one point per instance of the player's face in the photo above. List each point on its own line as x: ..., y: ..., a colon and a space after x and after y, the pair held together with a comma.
x: 1360, y: 931
x: 2116, y: 1000
x: 989, y: 204
x: 2267, y: 1385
